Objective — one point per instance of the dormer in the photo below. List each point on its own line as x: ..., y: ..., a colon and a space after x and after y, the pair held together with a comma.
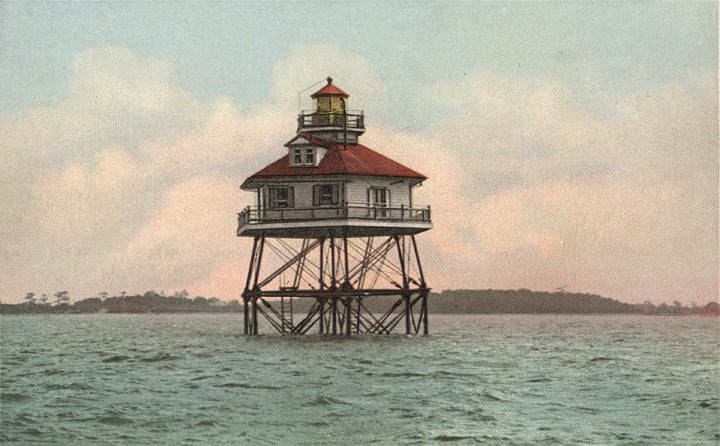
x: 303, y: 153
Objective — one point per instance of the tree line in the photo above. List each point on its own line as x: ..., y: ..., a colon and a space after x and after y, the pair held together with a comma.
x: 149, y: 302
x: 522, y: 301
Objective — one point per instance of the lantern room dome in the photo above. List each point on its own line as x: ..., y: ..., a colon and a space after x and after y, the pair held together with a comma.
x: 329, y: 90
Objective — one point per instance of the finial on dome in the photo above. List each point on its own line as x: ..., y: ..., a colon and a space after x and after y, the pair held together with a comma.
x: 329, y: 79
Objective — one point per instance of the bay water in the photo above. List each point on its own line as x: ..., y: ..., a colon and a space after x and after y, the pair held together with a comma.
x: 117, y: 379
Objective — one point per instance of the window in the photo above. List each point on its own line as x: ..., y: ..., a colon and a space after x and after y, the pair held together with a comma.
x: 323, y: 104
x: 326, y: 194
x: 379, y: 199
x: 302, y: 156
x: 309, y: 156
x: 281, y: 197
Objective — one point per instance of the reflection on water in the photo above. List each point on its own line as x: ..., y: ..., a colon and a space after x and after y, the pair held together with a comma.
x: 511, y: 379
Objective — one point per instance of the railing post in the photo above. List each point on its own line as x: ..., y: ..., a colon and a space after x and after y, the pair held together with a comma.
x: 402, y: 212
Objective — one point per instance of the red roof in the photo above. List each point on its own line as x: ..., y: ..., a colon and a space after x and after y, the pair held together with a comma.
x: 328, y: 90
x: 355, y: 160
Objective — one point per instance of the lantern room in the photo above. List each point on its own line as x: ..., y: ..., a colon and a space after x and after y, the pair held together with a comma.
x: 329, y: 99
x: 331, y: 119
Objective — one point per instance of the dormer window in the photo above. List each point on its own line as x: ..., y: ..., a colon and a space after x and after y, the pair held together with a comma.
x: 309, y: 156
x: 303, y: 156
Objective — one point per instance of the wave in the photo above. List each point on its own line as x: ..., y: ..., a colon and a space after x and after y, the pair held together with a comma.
x: 325, y: 401
x: 116, y: 358
x: 13, y: 397
x: 250, y: 386
x: 69, y: 386
x: 603, y: 358
x: 401, y: 375
x: 115, y: 419
x: 539, y: 380
x: 162, y: 356
x: 453, y: 438
x: 490, y: 396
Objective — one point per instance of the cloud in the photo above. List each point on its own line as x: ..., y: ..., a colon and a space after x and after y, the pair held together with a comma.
x: 547, y: 191
x: 130, y: 181
x: 310, y: 64
x: 181, y: 242
x: 84, y: 177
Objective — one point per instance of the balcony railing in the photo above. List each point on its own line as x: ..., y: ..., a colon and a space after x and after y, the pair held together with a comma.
x: 308, y: 119
x: 251, y: 215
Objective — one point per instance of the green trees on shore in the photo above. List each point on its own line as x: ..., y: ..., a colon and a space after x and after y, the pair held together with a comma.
x: 450, y: 301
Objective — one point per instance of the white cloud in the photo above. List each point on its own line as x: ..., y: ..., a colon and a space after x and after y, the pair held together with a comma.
x: 130, y: 182
x: 310, y: 64
x: 182, y: 241
x: 552, y: 193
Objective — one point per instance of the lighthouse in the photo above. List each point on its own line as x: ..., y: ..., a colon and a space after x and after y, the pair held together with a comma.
x: 340, y: 223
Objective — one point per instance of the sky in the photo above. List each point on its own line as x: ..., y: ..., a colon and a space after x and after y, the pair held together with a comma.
x: 568, y: 145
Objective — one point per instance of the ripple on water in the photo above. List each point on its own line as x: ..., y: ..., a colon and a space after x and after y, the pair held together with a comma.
x: 161, y: 356
x: 116, y: 358
x: 454, y: 438
x: 68, y: 386
x: 325, y: 401
x: 115, y: 419
x: 10, y: 397
x: 175, y: 379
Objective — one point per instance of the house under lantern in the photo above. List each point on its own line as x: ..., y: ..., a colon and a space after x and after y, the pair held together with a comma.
x: 337, y: 196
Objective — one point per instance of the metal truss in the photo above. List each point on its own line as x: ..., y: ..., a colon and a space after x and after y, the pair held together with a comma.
x: 336, y: 276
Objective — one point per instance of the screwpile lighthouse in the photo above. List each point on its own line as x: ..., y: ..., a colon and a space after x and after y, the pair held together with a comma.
x: 340, y: 221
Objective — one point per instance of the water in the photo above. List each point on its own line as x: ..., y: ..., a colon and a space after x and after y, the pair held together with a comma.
x: 509, y: 380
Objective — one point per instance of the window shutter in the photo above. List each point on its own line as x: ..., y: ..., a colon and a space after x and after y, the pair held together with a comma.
x: 335, y: 193
x: 316, y: 195
x: 273, y: 197
x: 291, y: 196
x: 387, y: 198
x: 369, y: 194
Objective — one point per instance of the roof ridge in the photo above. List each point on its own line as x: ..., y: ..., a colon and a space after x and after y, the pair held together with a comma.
x: 342, y: 159
x: 316, y: 140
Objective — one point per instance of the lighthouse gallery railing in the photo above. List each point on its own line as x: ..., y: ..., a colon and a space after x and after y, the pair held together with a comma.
x: 252, y: 215
x: 355, y: 120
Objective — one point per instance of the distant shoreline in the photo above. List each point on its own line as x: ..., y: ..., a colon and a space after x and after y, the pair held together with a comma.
x: 522, y: 301
x: 77, y: 313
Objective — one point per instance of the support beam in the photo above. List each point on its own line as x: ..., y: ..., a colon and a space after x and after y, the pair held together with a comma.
x: 334, y: 316
x: 425, y: 313
x: 247, y: 286
x: 254, y: 317
x: 337, y: 306
x: 321, y: 303
x: 346, y: 283
x: 332, y: 263
x: 321, y: 285
x: 406, y: 295
x: 348, y: 316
